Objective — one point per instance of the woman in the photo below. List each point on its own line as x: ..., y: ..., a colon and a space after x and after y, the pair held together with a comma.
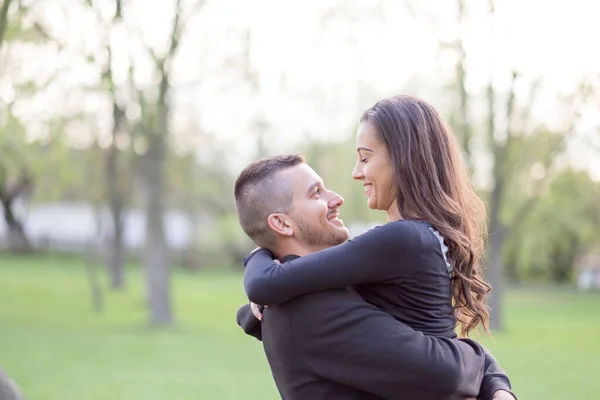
x: 423, y: 265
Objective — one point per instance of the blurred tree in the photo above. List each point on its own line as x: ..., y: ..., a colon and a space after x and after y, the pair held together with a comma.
x: 461, y: 116
x: 563, y: 225
x: 16, y: 181
x: 10, y: 191
x: 521, y: 159
x: 21, y: 158
x: 155, y: 115
x: 4, y: 6
x: 202, y: 187
x: 118, y: 185
x: 252, y: 77
x: 515, y: 143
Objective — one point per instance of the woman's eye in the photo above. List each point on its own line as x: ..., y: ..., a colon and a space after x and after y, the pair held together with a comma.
x: 363, y: 160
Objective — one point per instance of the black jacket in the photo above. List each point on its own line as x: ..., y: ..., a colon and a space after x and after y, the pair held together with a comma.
x: 335, y: 345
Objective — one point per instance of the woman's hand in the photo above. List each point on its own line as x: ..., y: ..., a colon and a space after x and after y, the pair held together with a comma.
x: 498, y: 395
x: 503, y: 395
x: 256, y: 311
x: 255, y: 307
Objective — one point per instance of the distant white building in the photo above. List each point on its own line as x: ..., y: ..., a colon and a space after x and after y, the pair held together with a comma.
x: 74, y: 227
x: 588, y: 272
x: 589, y: 279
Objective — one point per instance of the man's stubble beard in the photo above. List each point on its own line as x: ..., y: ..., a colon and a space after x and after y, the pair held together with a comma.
x: 318, y: 237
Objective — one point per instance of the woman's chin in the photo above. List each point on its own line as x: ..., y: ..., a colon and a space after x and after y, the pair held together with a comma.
x: 372, y: 204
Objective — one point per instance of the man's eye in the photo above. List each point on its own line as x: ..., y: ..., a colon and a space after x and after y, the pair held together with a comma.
x: 363, y: 160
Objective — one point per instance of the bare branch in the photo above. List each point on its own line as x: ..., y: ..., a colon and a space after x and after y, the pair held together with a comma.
x: 196, y: 8
x: 118, y: 10
x: 502, y: 150
x: 3, y: 20
x: 466, y: 132
x: 510, y: 104
x: 176, y: 31
x: 526, y: 113
x: 491, y: 102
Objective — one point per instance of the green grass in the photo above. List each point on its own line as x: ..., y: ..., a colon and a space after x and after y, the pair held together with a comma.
x: 55, y: 347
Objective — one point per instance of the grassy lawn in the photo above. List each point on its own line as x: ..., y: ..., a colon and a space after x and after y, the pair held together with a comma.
x: 55, y: 347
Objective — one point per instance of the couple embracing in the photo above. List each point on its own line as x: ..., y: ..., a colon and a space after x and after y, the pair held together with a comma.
x: 374, y: 316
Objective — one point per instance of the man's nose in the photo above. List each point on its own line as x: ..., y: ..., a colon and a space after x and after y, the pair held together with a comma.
x: 335, y: 201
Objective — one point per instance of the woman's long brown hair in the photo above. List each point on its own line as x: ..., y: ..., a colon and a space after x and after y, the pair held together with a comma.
x: 434, y: 185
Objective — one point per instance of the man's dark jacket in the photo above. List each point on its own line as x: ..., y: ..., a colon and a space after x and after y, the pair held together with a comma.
x: 335, y: 345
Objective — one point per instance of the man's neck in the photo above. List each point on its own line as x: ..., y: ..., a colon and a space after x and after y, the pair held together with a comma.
x: 283, y: 251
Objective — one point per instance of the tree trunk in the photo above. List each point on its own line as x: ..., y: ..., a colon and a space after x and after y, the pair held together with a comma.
x: 157, y: 264
x: 117, y: 256
x: 18, y: 242
x: 157, y: 268
x: 494, y: 271
x: 115, y: 195
x: 495, y: 230
x: 510, y: 267
x: 92, y: 267
x: 463, y: 124
x: 156, y: 252
x: 564, y: 258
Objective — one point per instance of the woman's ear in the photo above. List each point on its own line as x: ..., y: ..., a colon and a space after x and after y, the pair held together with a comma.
x: 279, y: 224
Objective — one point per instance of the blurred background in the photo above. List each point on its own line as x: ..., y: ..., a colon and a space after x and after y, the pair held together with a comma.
x: 123, y: 125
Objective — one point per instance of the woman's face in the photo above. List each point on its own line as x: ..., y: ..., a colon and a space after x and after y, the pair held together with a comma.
x: 373, y: 168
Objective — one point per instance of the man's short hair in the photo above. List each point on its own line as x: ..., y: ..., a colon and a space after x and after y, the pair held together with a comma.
x: 258, y: 192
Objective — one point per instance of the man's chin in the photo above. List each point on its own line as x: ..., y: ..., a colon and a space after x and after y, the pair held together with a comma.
x: 343, y: 239
x: 337, y: 233
x: 337, y: 239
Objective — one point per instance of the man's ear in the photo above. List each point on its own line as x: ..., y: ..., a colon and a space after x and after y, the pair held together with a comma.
x: 279, y: 224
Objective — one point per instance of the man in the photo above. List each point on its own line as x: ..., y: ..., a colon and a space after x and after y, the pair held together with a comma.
x: 335, y: 345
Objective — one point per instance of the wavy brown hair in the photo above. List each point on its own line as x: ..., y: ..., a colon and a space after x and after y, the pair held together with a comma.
x: 434, y: 185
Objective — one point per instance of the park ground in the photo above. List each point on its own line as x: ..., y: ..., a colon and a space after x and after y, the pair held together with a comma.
x: 56, y: 347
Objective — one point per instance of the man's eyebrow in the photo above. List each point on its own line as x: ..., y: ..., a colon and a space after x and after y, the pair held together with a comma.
x: 363, y: 149
x: 312, y: 187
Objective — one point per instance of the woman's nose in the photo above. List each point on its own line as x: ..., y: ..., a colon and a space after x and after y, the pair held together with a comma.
x: 357, y: 172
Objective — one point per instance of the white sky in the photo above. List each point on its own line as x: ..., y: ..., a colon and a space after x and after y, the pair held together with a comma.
x: 317, y: 76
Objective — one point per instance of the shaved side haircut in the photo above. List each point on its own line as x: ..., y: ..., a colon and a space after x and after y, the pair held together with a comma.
x: 259, y: 192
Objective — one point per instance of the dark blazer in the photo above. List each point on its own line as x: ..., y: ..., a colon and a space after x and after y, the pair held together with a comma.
x: 335, y: 345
